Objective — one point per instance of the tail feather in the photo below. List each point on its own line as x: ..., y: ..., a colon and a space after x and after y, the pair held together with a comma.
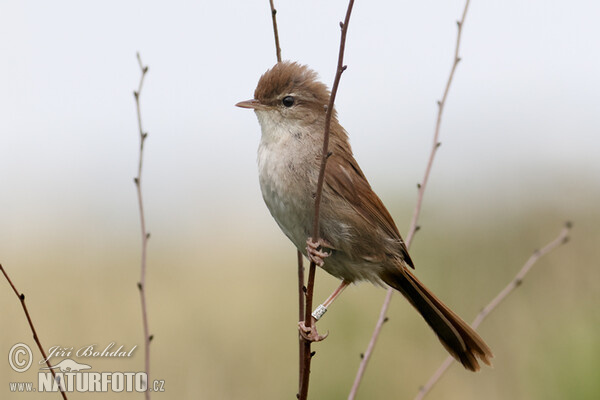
x: 459, y: 339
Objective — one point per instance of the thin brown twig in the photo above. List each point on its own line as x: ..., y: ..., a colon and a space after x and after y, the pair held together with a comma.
x: 300, y: 317
x: 324, y: 156
x: 21, y: 297
x: 417, y: 212
x: 562, y: 238
x: 145, y: 234
x: 275, y: 31
x: 301, y: 287
x: 306, y: 344
x: 436, y: 143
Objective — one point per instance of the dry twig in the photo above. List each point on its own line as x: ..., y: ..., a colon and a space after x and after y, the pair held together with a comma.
x: 315, y: 234
x: 562, y: 238
x: 301, y: 291
x: 275, y: 31
x: 145, y: 234
x: 21, y: 297
x: 413, y: 226
x: 301, y: 287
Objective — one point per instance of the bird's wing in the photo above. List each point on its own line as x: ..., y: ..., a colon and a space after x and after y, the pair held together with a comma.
x: 344, y: 177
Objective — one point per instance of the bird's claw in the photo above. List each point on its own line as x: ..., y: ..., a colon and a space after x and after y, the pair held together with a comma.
x: 315, y: 254
x: 310, y: 333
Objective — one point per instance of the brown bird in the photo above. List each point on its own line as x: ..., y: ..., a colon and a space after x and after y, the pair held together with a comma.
x: 359, y: 239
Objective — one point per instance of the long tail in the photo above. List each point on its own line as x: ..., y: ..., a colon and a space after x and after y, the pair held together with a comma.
x: 461, y: 341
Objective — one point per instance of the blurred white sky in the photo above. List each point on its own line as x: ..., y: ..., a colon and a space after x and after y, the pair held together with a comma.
x: 524, y: 103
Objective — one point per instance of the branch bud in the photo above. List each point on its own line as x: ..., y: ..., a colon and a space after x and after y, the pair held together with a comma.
x: 518, y: 282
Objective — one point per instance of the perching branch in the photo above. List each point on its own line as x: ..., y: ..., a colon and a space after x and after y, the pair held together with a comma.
x: 315, y: 234
x: 145, y: 234
x: 301, y: 345
x: 301, y: 287
x: 417, y: 212
x: 21, y: 297
x: 562, y: 238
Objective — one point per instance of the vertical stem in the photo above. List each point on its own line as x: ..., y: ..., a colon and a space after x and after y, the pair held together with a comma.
x: 275, y: 31
x: 303, y: 350
x: 145, y: 235
x: 324, y: 156
x: 306, y: 351
x: 300, y: 318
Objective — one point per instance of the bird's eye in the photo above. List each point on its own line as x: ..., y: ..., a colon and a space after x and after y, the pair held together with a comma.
x: 288, y: 101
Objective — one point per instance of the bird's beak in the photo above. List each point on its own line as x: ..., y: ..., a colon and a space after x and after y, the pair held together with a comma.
x: 254, y: 104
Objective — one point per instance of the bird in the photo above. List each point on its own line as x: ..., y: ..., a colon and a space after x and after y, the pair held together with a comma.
x: 358, y: 239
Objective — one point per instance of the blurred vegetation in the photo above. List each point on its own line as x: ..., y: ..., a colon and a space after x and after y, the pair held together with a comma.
x: 223, y: 309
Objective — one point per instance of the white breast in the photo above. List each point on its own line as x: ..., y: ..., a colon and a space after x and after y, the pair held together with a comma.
x: 285, y: 178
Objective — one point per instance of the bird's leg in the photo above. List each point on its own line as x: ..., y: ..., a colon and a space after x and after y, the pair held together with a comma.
x: 310, y: 333
x: 315, y: 254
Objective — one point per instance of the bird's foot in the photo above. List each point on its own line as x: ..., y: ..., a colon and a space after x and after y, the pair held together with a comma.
x: 314, y: 251
x: 310, y: 333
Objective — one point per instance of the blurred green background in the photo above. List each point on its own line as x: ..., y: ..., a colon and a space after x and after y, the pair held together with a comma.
x: 520, y: 156
x: 222, y: 304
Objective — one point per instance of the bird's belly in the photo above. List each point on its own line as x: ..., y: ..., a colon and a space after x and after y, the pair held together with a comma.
x: 288, y: 196
x: 288, y: 214
x: 283, y: 193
